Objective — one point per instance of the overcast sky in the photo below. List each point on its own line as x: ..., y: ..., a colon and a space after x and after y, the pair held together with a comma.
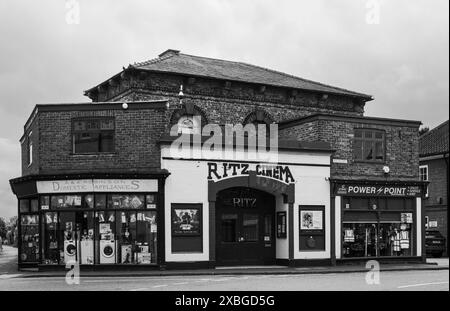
x: 402, y: 60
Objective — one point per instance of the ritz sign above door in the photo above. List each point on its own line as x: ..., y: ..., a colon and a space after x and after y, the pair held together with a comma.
x: 217, y: 171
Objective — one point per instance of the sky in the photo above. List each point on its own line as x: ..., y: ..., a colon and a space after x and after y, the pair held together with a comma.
x: 50, y: 52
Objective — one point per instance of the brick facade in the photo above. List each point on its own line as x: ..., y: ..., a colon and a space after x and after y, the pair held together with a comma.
x: 436, y: 204
x: 401, y: 151
x: 136, y: 142
x: 220, y: 102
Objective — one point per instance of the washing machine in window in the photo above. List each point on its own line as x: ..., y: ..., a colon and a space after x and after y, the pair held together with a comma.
x: 107, y: 251
x: 70, y: 251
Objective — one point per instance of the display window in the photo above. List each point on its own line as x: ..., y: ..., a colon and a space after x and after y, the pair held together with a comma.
x: 29, y: 249
x: 107, y: 243
x: 24, y: 206
x: 387, y: 238
x: 50, y: 223
x: 378, y: 227
x: 45, y: 202
x: 66, y: 201
x: 100, y: 201
x: 146, y: 238
x: 89, y: 229
x: 34, y: 206
x: 151, y: 201
x: 119, y: 201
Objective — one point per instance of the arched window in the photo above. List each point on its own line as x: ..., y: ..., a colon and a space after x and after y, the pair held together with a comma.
x: 259, y: 117
x: 189, y: 119
x: 189, y: 124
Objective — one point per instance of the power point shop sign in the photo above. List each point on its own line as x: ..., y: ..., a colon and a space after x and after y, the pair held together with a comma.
x: 377, y: 190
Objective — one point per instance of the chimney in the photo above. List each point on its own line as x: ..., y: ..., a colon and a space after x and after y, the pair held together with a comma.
x: 169, y: 52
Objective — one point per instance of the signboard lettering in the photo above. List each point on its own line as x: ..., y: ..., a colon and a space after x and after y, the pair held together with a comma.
x: 97, y: 185
x: 376, y: 190
x: 223, y: 170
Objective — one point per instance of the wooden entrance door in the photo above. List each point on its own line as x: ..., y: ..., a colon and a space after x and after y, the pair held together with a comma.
x: 245, y: 227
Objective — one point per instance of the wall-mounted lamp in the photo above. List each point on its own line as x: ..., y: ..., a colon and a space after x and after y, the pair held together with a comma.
x: 125, y: 106
x: 181, y: 94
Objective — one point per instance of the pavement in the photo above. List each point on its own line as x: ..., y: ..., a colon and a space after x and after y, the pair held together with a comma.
x: 8, y: 269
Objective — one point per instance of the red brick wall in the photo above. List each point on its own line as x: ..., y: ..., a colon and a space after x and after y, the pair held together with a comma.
x: 402, y: 143
x: 437, y: 175
x: 136, y: 136
x: 35, y: 133
x: 229, y: 104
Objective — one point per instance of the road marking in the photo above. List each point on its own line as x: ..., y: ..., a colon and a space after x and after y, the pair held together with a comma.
x: 158, y: 286
x: 180, y: 283
x: 9, y: 276
x: 423, y: 284
x: 138, y: 289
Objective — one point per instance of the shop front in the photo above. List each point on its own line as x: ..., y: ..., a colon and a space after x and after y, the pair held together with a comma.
x: 378, y: 220
x: 236, y: 211
x: 94, y: 221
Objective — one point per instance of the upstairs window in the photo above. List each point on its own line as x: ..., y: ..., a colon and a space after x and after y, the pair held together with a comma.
x: 94, y: 135
x: 189, y: 125
x: 30, y: 149
x: 423, y: 175
x: 369, y: 145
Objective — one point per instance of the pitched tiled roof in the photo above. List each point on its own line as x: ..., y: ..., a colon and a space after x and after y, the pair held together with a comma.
x: 173, y: 61
x: 435, y: 141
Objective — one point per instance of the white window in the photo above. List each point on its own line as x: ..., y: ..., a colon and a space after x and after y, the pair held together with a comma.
x: 423, y: 175
x: 188, y: 125
x: 30, y: 149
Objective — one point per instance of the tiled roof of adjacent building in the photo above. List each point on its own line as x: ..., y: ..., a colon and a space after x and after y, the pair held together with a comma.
x: 435, y: 141
x: 172, y: 61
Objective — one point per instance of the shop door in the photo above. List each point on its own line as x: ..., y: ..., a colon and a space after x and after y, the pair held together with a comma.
x: 245, y: 233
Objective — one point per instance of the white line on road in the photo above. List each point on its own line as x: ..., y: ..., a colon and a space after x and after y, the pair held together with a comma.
x: 180, y: 283
x: 138, y: 289
x: 158, y: 286
x: 423, y: 284
x: 9, y: 276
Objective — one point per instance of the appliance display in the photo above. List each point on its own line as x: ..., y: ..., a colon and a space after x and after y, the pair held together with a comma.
x: 87, y: 252
x: 107, y: 251
x: 70, y: 251
x: 126, y: 251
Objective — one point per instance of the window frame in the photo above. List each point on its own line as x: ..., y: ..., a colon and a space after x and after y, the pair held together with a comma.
x: 372, y: 141
x: 421, y: 167
x: 99, y: 131
x: 29, y: 149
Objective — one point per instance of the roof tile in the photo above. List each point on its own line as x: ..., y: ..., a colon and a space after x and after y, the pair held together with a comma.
x: 435, y: 141
x: 172, y: 61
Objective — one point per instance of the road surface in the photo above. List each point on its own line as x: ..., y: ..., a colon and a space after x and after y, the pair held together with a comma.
x: 390, y: 281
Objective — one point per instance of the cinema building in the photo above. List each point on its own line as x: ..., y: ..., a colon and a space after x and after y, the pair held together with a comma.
x: 103, y: 185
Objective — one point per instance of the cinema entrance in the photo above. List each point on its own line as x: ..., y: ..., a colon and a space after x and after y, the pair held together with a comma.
x: 245, y: 233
